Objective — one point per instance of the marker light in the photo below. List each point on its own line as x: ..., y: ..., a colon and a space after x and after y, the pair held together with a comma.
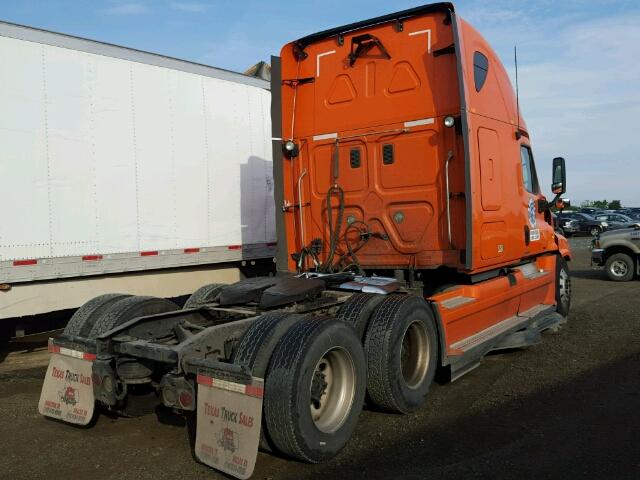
x: 290, y: 149
x: 449, y: 121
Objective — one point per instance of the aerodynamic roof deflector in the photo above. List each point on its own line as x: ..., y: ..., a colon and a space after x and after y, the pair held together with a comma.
x: 301, y: 44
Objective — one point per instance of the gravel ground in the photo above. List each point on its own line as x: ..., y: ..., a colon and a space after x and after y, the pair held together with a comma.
x: 566, y: 408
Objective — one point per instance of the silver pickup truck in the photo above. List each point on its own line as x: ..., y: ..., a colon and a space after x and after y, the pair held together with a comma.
x: 619, y: 252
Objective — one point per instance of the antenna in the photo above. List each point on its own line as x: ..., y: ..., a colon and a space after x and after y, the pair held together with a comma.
x: 515, y: 58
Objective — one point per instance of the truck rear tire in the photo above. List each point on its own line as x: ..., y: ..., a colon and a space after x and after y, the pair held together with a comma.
x: 85, y: 317
x: 204, y: 295
x: 255, y: 349
x: 357, y: 310
x: 315, y: 389
x: 563, y: 287
x: 257, y: 344
x: 127, y: 309
x: 620, y: 267
x: 402, y: 351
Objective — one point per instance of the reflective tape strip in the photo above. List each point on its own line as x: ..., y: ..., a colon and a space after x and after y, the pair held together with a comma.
x: 22, y: 263
x: 146, y: 253
x: 204, y: 380
x: 68, y: 352
x: 422, y: 121
x: 320, y: 55
x: 325, y: 136
x: 251, y: 390
x: 254, y: 391
x: 227, y: 385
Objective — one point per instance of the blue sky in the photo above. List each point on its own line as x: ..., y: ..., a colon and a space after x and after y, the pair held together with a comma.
x: 579, y: 64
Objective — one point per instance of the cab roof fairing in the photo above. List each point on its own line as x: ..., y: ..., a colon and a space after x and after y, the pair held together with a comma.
x: 470, y: 41
x: 302, y: 43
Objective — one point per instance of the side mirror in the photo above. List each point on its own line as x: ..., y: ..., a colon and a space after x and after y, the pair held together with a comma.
x: 559, y: 176
x: 562, y: 203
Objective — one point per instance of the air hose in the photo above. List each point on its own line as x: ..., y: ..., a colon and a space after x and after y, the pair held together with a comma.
x: 334, y: 229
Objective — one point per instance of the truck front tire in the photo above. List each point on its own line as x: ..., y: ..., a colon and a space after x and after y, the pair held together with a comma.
x: 315, y: 389
x: 563, y: 287
x: 620, y: 267
x: 402, y: 352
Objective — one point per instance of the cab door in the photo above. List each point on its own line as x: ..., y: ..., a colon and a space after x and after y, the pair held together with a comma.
x: 533, y: 222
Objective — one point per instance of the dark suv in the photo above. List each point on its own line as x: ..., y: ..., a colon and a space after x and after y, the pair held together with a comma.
x: 576, y: 222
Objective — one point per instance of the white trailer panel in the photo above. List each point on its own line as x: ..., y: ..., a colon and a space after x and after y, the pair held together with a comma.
x: 115, y: 160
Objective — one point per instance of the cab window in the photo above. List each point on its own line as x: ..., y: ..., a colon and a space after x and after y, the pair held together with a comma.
x: 480, y: 70
x: 529, y: 178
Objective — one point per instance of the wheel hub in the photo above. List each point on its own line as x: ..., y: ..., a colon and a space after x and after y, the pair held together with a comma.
x: 318, y: 387
x: 332, y: 390
x: 619, y: 268
x: 414, y: 354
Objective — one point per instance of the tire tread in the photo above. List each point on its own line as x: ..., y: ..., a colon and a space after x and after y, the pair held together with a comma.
x: 127, y: 309
x: 84, y: 318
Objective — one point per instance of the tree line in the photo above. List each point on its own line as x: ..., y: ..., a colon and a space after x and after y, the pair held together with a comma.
x: 602, y: 204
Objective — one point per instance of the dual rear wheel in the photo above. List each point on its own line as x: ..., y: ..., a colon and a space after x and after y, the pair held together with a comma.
x: 320, y: 368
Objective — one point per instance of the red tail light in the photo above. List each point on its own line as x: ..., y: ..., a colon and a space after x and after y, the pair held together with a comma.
x: 185, y: 399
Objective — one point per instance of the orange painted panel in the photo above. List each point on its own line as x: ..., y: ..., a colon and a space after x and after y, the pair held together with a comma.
x: 490, y: 168
x: 492, y: 238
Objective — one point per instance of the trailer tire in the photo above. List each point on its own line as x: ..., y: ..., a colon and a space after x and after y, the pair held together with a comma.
x: 84, y: 318
x: 127, y: 309
x: 255, y: 349
x: 204, y: 295
x: 318, y: 365
x: 357, y: 310
x: 402, y: 350
x: 563, y: 287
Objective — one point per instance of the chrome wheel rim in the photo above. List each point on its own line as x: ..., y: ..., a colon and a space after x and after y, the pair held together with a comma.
x: 333, y: 388
x: 619, y: 268
x: 415, y: 354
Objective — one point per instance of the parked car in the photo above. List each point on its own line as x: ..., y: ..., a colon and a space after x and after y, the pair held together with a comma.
x: 583, y: 223
x: 590, y: 211
x: 632, y: 212
x: 619, y: 252
x: 617, y: 220
x: 565, y: 226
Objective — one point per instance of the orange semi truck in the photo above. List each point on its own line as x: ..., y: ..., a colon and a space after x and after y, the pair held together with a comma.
x: 413, y: 238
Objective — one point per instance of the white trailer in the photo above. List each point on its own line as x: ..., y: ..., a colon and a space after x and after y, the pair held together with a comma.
x: 118, y: 162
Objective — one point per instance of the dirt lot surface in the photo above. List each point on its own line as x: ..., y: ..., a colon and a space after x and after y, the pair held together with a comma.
x: 566, y: 408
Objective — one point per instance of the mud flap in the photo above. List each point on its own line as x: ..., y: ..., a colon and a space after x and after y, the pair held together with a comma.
x: 67, y: 392
x: 229, y: 417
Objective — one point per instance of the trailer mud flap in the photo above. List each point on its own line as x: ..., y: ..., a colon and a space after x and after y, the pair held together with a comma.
x: 67, y: 392
x: 229, y: 416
